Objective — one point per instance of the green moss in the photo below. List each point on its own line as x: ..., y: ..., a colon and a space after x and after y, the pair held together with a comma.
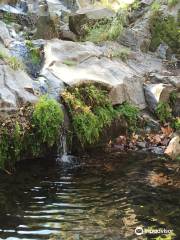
x: 10, y: 145
x: 172, y: 3
x: 91, y: 111
x: 176, y: 124
x: 165, y: 29
x: 173, y: 98
x: 4, y: 148
x: 69, y: 63
x: 106, y: 29
x: 163, y: 112
x: 47, y: 118
x: 155, y: 6
x: 7, y: 17
x: 122, y: 53
x: 30, y: 131
x: 34, y: 52
x: 130, y: 113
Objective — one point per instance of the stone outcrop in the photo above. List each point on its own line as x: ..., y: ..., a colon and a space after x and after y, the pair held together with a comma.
x: 76, y: 63
x: 71, y: 64
x: 137, y: 36
x: 16, y: 88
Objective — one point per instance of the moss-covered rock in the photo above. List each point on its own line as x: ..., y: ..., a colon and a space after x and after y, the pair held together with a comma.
x: 91, y: 112
x: 32, y: 130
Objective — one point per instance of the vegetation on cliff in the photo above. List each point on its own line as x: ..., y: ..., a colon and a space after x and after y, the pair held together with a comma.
x: 91, y: 111
x: 30, y: 131
x: 164, y: 29
x: 106, y: 29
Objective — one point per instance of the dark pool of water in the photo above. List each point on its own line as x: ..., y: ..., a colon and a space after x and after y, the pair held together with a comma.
x: 105, y: 197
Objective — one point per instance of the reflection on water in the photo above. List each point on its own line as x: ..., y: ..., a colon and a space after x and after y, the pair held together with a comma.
x: 105, y: 197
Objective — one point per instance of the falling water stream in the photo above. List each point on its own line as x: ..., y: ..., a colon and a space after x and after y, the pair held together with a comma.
x: 103, y: 196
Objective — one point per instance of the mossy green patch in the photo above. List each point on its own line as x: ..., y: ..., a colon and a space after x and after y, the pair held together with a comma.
x: 165, y: 29
x: 163, y: 112
x: 30, y: 130
x: 172, y: 3
x: 130, y: 113
x: 34, y: 52
x: 46, y: 120
x: 106, y: 29
x: 91, y: 111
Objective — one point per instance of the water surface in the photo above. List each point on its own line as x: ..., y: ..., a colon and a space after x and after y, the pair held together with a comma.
x: 97, y: 197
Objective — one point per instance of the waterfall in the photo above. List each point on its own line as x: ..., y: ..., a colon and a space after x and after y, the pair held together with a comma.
x: 63, y: 151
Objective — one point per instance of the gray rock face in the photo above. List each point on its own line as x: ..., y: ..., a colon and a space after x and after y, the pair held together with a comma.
x: 138, y: 35
x: 165, y: 78
x: 76, y: 63
x: 89, y: 16
x: 16, y: 88
x: 162, y: 50
x: 5, y: 37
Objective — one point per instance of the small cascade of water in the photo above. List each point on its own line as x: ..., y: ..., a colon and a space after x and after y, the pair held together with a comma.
x: 22, y: 5
x: 63, y: 151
